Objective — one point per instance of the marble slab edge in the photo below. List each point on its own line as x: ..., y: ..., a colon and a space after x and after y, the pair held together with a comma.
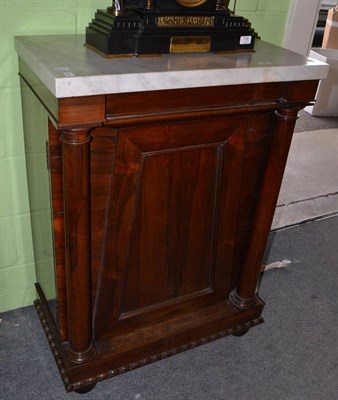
x: 141, y: 79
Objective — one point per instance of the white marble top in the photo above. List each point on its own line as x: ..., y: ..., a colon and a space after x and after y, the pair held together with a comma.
x: 70, y: 69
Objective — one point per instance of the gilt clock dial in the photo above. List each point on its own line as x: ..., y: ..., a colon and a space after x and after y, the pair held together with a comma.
x: 191, y: 3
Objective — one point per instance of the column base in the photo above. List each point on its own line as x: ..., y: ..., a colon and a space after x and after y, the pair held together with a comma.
x: 240, y: 303
x: 80, y: 357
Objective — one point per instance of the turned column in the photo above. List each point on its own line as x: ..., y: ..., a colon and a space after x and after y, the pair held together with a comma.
x: 75, y: 158
x: 245, y: 295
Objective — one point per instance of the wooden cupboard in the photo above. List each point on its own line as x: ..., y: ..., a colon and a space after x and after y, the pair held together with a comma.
x: 161, y: 205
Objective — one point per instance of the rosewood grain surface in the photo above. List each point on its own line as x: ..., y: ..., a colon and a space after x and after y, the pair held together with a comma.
x: 162, y: 203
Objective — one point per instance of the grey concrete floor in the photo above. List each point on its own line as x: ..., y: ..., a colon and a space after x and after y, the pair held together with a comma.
x: 310, y: 185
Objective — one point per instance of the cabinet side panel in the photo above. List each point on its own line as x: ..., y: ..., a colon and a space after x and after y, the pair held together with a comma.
x: 56, y: 178
x: 36, y: 137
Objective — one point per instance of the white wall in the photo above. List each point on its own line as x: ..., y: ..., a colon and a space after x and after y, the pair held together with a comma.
x: 301, y: 25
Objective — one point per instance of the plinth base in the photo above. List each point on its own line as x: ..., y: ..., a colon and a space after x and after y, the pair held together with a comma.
x: 109, y: 362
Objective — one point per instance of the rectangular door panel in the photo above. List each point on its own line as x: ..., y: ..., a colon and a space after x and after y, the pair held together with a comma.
x: 172, y: 239
x: 171, y: 221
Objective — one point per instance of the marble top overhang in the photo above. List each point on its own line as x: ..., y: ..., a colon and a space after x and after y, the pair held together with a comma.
x: 69, y: 69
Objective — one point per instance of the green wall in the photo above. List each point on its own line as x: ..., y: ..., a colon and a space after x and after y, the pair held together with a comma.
x: 24, y: 17
x: 31, y: 17
x: 267, y: 17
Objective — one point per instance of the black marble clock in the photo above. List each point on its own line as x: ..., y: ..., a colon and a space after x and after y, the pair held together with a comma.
x: 136, y: 27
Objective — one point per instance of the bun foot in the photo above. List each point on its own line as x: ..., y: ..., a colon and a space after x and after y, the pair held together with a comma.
x: 85, y: 389
x: 241, y: 332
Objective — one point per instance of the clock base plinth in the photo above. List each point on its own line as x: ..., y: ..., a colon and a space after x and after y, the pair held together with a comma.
x: 138, y: 32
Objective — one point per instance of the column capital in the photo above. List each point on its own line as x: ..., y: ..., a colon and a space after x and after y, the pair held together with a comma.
x: 75, y: 136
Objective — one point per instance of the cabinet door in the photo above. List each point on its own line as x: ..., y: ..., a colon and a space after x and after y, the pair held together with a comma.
x: 171, y: 221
